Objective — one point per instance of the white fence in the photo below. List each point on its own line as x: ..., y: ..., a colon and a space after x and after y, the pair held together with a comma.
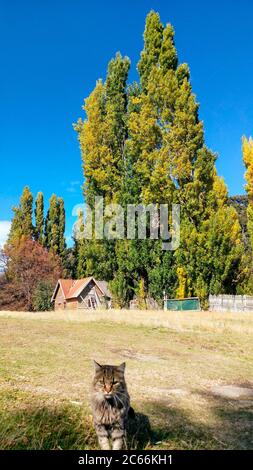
x: 231, y: 303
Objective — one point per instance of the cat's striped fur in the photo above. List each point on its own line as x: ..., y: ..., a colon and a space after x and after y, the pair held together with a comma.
x: 110, y: 405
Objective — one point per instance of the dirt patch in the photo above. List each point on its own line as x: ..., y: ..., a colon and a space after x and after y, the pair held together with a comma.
x: 131, y: 354
x: 166, y: 392
x: 232, y: 391
x: 177, y: 392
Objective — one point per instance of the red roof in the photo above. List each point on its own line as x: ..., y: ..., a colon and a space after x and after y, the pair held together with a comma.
x: 65, y: 285
x: 77, y: 286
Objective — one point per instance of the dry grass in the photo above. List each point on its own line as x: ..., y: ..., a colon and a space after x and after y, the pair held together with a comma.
x: 215, y: 321
x: 174, y: 362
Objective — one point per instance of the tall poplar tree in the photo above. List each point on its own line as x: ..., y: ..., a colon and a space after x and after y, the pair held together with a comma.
x: 55, y: 226
x: 39, y: 217
x: 52, y: 225
x: 62, y: 242
x: 102, y: 135
x: 22, y: 226
x: 153, y: 35
x: 102, y: 139
x: 247, y: 150
x: 247, y: 261
x: 146, y: 145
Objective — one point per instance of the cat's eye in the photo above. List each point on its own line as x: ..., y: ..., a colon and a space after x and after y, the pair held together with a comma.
x: 115, y: 382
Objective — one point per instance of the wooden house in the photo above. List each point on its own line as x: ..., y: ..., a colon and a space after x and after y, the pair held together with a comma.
x: 87, y: 293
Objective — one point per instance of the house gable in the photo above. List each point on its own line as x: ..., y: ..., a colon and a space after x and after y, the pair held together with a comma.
x: 90, y: 288
x: 63, y: 285
x: 91, y: 296
x: 59, y: 298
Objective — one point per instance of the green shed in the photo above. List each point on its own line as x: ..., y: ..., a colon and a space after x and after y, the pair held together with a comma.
x: 191, y: 303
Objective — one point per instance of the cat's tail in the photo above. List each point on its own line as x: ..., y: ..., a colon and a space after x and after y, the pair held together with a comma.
x: 131, y: 413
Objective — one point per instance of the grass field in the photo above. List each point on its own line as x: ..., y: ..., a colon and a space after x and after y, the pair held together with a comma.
x: 183, y: 373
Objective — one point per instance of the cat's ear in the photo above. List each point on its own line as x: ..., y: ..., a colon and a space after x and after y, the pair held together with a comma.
x: 122, y: 367
x: 98, y: 367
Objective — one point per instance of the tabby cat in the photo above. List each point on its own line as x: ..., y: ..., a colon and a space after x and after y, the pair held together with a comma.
x: 110, y: 405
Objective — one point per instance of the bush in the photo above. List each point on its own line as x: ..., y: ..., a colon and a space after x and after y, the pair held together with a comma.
x: 29, y: 264
x: 42, y: 297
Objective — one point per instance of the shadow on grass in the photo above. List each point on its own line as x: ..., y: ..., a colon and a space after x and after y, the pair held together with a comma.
x: 230, y: 428
x: 139, y: 433
x: 235, y: 418
x: 69, y: 427
x: 172, y: 428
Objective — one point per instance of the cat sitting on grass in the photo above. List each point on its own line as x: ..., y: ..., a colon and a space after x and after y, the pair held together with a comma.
x: 110, y: 406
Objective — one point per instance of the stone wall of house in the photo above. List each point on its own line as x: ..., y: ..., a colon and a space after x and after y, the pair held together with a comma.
x: 71, y: 304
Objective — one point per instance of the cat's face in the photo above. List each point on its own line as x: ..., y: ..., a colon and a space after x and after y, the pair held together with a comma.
x: 109, y: 381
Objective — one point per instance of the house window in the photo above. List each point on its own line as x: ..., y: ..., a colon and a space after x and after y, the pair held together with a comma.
x: 91, y: 302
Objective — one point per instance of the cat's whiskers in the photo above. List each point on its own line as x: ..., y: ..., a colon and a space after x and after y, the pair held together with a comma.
x: 119, y: 400
x: 120, y: 393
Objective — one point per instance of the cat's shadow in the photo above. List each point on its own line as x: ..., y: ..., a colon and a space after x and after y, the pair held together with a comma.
x: 138, y: 432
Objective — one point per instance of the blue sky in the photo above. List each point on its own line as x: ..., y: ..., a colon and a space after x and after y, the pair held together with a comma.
x: 52, y: 52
